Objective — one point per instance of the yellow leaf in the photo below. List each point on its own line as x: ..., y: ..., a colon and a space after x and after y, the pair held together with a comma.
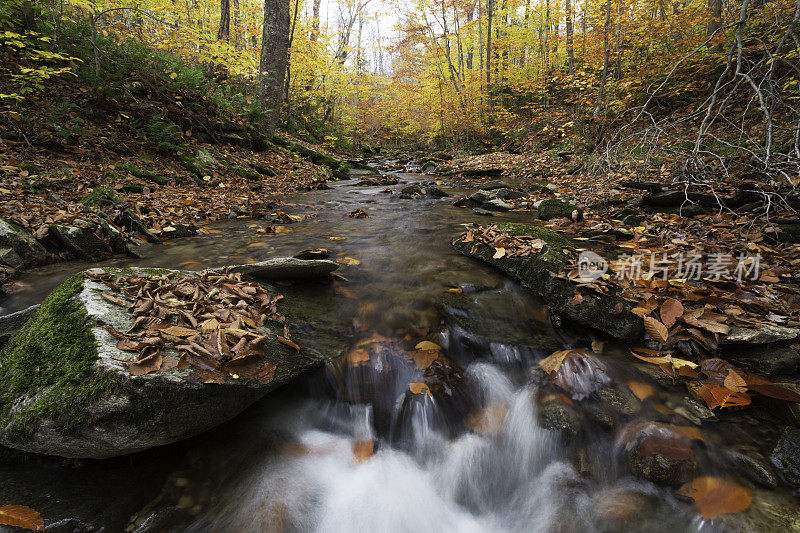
x: 499, y: 252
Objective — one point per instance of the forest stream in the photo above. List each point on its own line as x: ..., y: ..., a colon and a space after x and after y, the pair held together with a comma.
x: 351, y: 449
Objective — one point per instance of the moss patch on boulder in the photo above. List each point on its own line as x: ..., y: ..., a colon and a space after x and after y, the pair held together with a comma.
x: 50, y: 361
x: 101, y: 197
x: 556, y: 208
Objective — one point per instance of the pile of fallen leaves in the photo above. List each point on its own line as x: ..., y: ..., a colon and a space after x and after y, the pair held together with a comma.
x: 212, y: 320
x: 505, y: 245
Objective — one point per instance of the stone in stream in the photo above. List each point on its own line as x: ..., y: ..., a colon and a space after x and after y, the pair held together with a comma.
x: 287, y: 269
x: 558, y: 208
x: 491, y: 185
x: 66, y: 390
x: 537, y: 273
x: 658, y: 453
x: 12, y: 323
x: 786, y: 455
x: 417, y: 190
x: 19, y: 248
x: 80, y: 243
x: 496, y: 204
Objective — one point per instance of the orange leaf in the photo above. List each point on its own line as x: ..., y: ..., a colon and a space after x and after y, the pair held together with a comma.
x: 363, y: 450
x: 357, y: 356
x: 21, y: 516
x: 287, y: 342
x: 419, y: 388
x: 714, y: 496
x: 641, y: 390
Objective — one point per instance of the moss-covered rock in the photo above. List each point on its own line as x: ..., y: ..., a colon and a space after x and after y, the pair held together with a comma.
x: 134, y: 170
x: 102, y: 197
x: 19, y: 248
x: 80, y: 243
x: 537, y: 273
x: 315, y: 156
x: 65, y: 388
x: 251, y: 175
x: 556, y: 208
x: 200, y: 162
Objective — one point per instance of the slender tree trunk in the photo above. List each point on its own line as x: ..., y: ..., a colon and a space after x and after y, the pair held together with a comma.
x: 480, y: 37
x: 570, y: 38
x: 715, y: 20
x: 607, y: 52
x: 489, y: 9
x: 471, y: 42
x: 273, y: 61
x: 237, y: 26
x: 224, y: 30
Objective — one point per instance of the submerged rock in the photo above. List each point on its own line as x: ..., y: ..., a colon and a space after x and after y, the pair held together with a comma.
x: 66, y: 389
x: 417, y: 190
x: 557, y: 208
x: 537, y: 273
x: 786, y: 455
x: 659, y: 453
x: 287, y: 268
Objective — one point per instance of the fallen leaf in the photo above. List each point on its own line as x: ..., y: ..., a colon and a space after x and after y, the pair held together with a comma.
x: 180, y: 331
x: 114, y: 300
x: 363, y: 450
x: 419, y: 388
x: 357, y: 356
x: 657, y: 331
x: 151, y: 363
x: 553, y: 362
x: 671, y: 309
x: 641, y: 390
x: 715, y: 496
x: 499, y: 253
x: 21, y: 516
x: 287, y: 342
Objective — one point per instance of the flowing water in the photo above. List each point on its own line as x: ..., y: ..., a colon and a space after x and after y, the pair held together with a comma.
x: 290, y: 462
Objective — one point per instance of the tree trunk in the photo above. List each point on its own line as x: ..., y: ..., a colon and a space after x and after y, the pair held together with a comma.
x: 224, y: 30
x: 489, y: 9
x: 237, y: 26
x: 601, y: 91
x: 315, y: 21
x: 570, y: 39
x: 273, y: 61
x: 715, y: 13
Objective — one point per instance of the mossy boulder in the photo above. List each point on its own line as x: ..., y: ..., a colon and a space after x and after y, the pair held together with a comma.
x: 134, y: 170
x: 315, y: 156
x: 19, y: 248
x: 199, y: 162
x: 65, y: 388
x: 537, y: 272
x: 557, y: 208
x: 102, y: 197
x: 80, y: 243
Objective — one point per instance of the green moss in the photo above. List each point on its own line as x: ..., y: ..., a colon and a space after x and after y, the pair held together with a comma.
x: 101, y: 197
x: 133, y: 170
x: 246, y: 174
x: 554, y: 240
x: 556, y: 208
x: 50, y: 361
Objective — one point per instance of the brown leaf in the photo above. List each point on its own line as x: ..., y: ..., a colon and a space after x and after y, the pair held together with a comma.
x: 114, y: 300
x: 180, y: 331
x: 715, y: 496
x: 129, y: 345
x: 657, y: 331
x: 735, y: 382
x: 671, y: 309
x: 287, y: 342
x: 151, y: 363
x: 21, y: 516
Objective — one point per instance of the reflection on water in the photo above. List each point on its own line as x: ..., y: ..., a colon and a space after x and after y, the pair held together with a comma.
x: 472, y: 456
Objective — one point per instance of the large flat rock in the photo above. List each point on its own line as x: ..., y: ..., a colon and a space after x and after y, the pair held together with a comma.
x: 66, y: 388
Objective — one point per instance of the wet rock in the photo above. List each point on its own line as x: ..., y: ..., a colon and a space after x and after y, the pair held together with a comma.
x: 483, y: 212
x: 633, y: 220
x: 417, y: 190
x: 765, y: 359
x: 287, y: 268
x: 66, y: 389
x: 477, y: 172
x: 765, y: 334
x: 481, y: 197
x: 786, y: 455
x: 555, y: 208
x: 620, y: 401
x: 556, y: 415
x: 535, y: 272
x: 78, y: 242
x: 180, y: 231
x: 496, y: 204
x: 771, y: 510
x: 492, y: 185
x: 464, y: 202
x: 19, y: 248
x: 658, y: 453
x: 754, y: 466
x: 508, y: 194
x: 11, y: 323
x: 542, y: 187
